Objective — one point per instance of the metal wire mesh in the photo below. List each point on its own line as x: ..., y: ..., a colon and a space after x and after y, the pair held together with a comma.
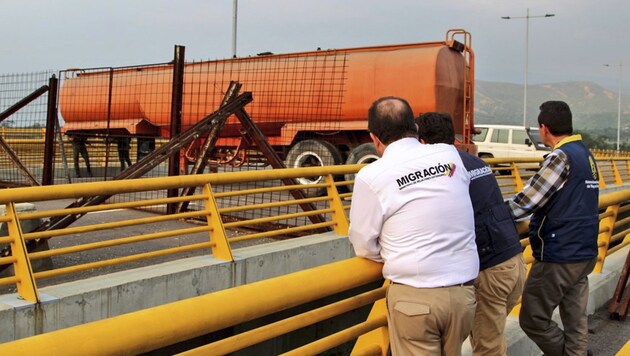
x: 104, y: 105
x: 23, y: 131
x: 110, y: 118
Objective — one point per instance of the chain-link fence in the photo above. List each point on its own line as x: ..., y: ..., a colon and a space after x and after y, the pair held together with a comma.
x: 111, y: 118
x: 23, y: 113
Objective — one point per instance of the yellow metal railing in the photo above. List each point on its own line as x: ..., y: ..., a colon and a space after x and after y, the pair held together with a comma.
x: 235, y: 306
x: 146, y: 330
x: 610, y: 153
x: 216, y: 199
x: 212, y: 203
x: 512, y: 173
x: 232, y: 306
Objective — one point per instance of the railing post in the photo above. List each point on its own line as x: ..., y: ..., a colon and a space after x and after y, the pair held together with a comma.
x: 606, y: 227
x: 602, y: 181
x: 221, y: 248
x: 339, y: 214
x: 518, y: 181
x: 26, y: 287
x: 376, y: 340
x: 618, y: 180
x: 528, y: 257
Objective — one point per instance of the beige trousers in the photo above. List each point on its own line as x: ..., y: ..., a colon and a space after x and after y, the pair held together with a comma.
x: 497, y: 290
x: 429, y: 321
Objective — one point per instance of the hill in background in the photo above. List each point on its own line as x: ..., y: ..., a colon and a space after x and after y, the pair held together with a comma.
x: 594, y: 108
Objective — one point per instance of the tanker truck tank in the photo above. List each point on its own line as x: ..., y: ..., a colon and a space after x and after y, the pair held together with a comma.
x: 304, y: 102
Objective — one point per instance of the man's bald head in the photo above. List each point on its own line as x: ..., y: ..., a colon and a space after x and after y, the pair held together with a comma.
x: 390, y: 119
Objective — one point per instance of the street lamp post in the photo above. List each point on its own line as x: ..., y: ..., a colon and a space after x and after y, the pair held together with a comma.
x: 527, y: 17
x: 620, y: 65
x: 234, y: 17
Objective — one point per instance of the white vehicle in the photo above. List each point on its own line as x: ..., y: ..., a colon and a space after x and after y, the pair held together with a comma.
x: 505, y: 141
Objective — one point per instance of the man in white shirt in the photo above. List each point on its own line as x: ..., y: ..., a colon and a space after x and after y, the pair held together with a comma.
x: 411, y: 211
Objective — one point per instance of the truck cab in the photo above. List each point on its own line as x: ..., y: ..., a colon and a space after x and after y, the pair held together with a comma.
x: 506, y: 141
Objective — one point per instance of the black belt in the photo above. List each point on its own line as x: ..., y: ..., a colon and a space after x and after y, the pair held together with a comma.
x: 465, y: 284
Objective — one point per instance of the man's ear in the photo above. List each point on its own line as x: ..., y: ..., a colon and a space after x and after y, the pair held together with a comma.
x: 374, y: 138
x: 544, y: 128
x: 380, y: 147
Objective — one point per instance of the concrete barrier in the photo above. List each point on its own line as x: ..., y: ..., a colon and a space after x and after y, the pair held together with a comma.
x: 106, y: 296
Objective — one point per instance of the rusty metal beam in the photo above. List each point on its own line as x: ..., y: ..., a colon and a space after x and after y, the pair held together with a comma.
x: 619, y: 303
x: 15, y: 159
x: 22, y: 103
x: 145, y: 165
x: 177, y: 98
x: 251, y: 131
x: 208, y: 146
x: 156, y: 157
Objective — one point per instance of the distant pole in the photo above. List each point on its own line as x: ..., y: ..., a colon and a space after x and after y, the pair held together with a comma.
x: 527, y: 17
x: 234, y: 17
x: 526, y: 69
x: 620, y: 65
x: 619, y: 106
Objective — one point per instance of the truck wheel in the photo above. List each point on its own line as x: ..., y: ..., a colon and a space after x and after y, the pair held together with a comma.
x: 313, y: 153
x: 364, y: 153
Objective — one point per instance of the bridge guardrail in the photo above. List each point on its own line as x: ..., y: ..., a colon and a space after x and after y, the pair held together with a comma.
x: 221, y: 209
x: 211, y: 205
x: 613, y: 231
x: 512, y: 173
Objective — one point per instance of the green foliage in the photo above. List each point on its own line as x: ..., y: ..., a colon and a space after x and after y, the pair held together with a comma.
x: 600, y: 142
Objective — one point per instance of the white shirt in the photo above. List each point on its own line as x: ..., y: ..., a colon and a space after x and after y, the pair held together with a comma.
x: 411, y: 210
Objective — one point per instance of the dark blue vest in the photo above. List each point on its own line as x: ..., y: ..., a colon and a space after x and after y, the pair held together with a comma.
x: 565, y: 229
x: 496, y: 236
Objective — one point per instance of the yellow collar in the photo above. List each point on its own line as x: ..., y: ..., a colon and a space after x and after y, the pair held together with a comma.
x: 568, y: 139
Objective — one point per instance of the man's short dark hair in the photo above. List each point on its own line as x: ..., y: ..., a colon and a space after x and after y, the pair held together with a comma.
x: 556, y: 115
x: 436, y: 127
x: 390, y: 119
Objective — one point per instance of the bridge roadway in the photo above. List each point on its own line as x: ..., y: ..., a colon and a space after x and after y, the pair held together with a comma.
x: 87, y: 297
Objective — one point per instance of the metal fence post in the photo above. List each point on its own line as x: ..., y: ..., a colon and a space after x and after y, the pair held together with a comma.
x: 375, y: 342
x: 518, y: 181
x: 51, y: 127
x: 221, y: 248
x: 176, y: 118
x: 26, y: 287
x: 338, y: 215
x: 618, y: 180
x: 602, y: 181
x: 606, y: 228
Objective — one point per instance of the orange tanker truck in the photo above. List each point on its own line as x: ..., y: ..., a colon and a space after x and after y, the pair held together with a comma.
x: 311, y: 106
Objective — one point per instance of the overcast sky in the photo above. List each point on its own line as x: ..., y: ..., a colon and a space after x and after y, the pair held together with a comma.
x: 572, y: 46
